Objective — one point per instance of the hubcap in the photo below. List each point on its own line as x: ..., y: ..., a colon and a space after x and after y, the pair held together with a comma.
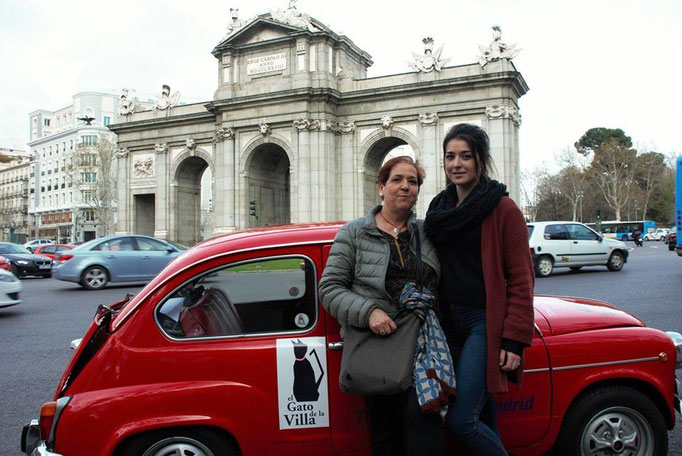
x: 616, y: 261
x: 178, y: 446
x: 617, y: 430
x: 95, y: 278
x: 545, y: 266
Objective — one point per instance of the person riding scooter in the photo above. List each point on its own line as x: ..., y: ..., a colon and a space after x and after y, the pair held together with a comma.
x: 637, y: 237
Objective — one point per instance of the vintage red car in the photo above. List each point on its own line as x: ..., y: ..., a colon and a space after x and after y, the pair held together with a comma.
x: 206, y: 360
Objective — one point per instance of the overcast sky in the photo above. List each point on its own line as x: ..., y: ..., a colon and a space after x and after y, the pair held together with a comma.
x: 593, y: 63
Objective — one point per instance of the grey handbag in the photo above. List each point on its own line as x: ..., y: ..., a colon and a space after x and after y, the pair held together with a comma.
x: 373, y: 364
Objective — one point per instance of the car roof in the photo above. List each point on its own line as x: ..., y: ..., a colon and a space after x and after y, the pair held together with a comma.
x: 554, y: 222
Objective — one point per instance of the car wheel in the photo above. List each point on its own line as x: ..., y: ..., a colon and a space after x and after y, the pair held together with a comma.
x: 575, y: 268
x: 46, y: 276
x: 671, y: 246
x: 199, y: 442
x: 613, y: 420
x: 94, y: 278
x: 616, y: 261
x: 624, y: 237
x: 646, y: 238
x: 544, y: 266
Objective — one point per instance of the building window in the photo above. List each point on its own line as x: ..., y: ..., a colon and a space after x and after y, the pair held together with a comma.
x: 86, y: 196
x: 89, y: 140
x: 71, y: 144
x: 89, y: 215
x: 106, y: 121
x: 46, y: 122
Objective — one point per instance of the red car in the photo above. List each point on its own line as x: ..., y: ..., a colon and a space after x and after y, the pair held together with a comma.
x: 228, y: 351
x: 50, y: 250
x: 5, y: 264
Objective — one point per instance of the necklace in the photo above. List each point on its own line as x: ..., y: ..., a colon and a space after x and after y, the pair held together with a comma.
x: 396, y: 229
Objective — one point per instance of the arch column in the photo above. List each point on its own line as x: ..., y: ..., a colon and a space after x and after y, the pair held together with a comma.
x: 304, y: 179
x: 161, y: 208
x: 124, y: 205
x: 430, y: 159
x: 503, y: 124
x: 225, y: 183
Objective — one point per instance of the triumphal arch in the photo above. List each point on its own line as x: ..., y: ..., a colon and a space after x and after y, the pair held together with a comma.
x: 296, y: 124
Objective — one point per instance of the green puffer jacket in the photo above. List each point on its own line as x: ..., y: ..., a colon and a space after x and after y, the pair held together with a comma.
x: 353, y: 282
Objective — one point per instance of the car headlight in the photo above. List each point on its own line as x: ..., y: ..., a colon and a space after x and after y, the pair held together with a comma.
x: 6, y: 278
x: 677, y: 340
x: 22, y: 262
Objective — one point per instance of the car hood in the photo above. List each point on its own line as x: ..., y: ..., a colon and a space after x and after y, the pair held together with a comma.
x: 615, y: 243
x: 567, y: 315
x: 24, y: 256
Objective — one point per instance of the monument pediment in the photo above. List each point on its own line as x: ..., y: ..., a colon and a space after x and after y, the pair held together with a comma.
x: 262, y: 28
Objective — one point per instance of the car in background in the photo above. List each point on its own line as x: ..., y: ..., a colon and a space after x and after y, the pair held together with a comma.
x: 5, y: 264
x: 24, y: 263
x: 33, y: 244
x: 229, y: 351
x: 671, y: 238
x: 10, y: 287
x: 120, y: 258
x: 50, y: 250
x: 657, y: 235
x: 572, y: 245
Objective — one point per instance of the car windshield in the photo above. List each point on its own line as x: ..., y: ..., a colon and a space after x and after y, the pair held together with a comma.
x: 530, y: 230
x: 177, y: 246
x: 12, y: 248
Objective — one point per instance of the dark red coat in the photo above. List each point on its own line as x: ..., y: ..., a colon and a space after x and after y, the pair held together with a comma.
x: 509, y: 280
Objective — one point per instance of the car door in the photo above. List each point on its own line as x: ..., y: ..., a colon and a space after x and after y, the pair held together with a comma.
x: 154, y: 256
x: 258, y: 316
x: 48, y: 251
x: 557, y: 243
x: 587, y: 247
x: 349, y: 415
x: 121, y: 259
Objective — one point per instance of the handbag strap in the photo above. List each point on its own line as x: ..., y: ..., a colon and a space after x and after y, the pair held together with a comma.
x: 418, y: 259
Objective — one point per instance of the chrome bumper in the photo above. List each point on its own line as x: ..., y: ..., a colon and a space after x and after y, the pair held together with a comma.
x: 31, y: 444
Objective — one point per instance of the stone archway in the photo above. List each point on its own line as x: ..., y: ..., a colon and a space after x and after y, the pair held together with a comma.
x: 187, y: 190
x: 268, y: 182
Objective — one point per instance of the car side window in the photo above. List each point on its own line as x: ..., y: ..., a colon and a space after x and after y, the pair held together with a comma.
x: 48, y: 249
x: 556, y: 232
x: 581, y: 233
x: 150, y: 245
x: 114, y: 245
x: 263, y: 296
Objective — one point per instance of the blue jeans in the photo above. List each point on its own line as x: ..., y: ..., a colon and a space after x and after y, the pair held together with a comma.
x: 472, y: 418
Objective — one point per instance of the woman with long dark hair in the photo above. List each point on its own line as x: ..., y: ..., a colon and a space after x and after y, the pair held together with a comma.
x: 486, y: 287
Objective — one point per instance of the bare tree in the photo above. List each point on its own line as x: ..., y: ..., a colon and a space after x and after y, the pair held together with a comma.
x: 613, y: 169
x: 530, y: 191
x: 650, y: 176
x: 91, y: 169
x: 571, y: 179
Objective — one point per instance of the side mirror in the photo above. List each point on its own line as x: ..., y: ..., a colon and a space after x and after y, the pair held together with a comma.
x: 599, y: 238
x: 170, y: 250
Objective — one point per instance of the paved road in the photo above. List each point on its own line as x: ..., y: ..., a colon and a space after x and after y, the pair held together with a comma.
x: 34, y: 337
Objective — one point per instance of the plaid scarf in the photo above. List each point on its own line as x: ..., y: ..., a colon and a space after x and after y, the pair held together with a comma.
x: 434, y: 374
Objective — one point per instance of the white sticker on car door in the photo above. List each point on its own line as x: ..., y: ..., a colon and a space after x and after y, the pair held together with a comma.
x: 302, y: 383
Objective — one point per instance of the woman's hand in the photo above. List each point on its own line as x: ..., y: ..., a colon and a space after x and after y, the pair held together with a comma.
x: 380, y: 323
x: 509, y: 361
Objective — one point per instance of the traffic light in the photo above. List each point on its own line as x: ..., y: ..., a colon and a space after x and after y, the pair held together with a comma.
x: 598, y: 214
x: 253, y: 208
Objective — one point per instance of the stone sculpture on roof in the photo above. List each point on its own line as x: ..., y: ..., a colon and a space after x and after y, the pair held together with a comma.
x: 236, y: 23
x: 166, y: 100
x: 497, y: 49
x: 429, y: 60
x: 126, y: 105
x: 292, y: 16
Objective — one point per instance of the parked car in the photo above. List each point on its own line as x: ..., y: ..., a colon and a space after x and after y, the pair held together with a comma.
x: 122, y: 258
x: 24, y: 263
x: 50, y: 250
x: 201, y: 361
x: 10, y: 288
x: 657, y: 234
x: 32, y: 244
x: 572, y: 245
x: 5, y: 264
x: 671, y: 238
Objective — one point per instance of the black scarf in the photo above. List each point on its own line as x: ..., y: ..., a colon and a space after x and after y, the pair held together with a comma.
x: 444, y: 218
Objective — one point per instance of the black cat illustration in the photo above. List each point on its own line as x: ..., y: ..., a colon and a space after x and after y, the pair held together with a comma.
x: 305, y: 385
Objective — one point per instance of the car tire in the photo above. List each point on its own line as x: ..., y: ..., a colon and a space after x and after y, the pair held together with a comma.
x: 197, y: 442
x: 616, y: 261
x: 94, y: 278
x: 646, y: 238
x: 46, y: 276
x: 575, y: 268
x: 624, y: 237
x: 544, y: 266
x: 596, y: 413
x: 671, y: 246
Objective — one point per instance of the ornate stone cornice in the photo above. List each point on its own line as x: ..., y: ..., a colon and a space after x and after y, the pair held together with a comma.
x: 306, y: 124
x: 122, y: 152
x: 161, y: 148
x: 504, y: 111
x: 429, y: 118
x: 342, y: 127
x: 221, y: 134
x: 191, y: 143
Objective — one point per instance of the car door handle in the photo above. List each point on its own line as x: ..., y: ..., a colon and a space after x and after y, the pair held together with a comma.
x: 575, y: 242
x: 335, y: 345
x: 111, y: 256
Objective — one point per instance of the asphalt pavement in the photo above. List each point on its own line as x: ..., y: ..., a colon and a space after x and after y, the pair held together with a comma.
x: 35, y: 335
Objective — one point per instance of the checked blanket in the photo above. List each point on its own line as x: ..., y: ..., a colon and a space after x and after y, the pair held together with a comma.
x: 434, y: 374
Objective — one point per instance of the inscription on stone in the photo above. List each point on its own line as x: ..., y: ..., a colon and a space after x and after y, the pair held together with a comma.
x: 266, y: 64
